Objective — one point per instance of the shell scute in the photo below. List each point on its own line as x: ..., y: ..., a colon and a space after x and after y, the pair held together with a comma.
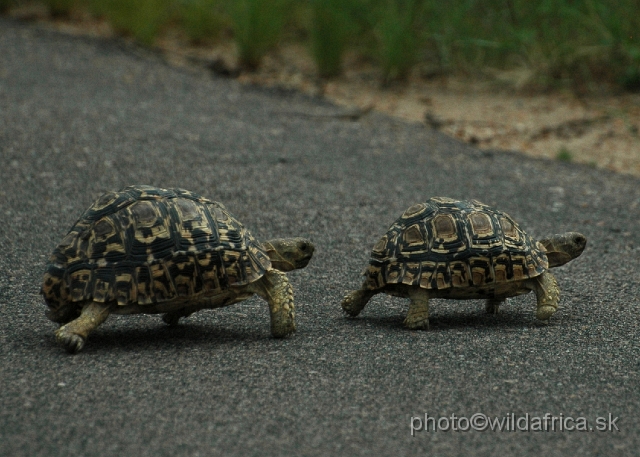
x: 145, y: 245
x: 445, y: 243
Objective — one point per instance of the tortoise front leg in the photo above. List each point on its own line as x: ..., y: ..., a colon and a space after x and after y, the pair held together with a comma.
x: 275, y: 288
x: 356, y: 300
x: 547, y: 293
x: 418, y: 315
x: 74, y: 334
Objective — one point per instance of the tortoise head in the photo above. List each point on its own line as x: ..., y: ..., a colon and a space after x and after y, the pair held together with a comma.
x: 563, y: 247
x: 288, y: 254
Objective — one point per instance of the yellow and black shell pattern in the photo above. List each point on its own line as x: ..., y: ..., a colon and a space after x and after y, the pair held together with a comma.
x: 145, y: 245
x: 445, y: 243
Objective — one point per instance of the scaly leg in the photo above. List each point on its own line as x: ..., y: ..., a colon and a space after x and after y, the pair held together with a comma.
x: 173, y: 317
x: 493, y: 305
x: 418, y: 315
x: 547, y: 293
x: 275, y: 288
x: 74, y: 334
x: 355, y: 301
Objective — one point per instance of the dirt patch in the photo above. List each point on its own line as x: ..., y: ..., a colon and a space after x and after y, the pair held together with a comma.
x: 602, y: 131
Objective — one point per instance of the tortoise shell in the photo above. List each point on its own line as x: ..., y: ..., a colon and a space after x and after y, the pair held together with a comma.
x: 445, y: 243
x: 146, y: 245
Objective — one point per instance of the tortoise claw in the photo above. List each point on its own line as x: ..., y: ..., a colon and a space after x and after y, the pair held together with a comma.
x: 72, y: 342
x: 417, y: 325
x: 355, y: 301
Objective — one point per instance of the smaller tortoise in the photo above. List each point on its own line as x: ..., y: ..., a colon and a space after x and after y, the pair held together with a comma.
x: 150, y: 250
x: 446, y: 248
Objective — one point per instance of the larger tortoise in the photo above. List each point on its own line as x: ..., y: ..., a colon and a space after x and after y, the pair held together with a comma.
x: 151, y: 250
x: 447, y: 248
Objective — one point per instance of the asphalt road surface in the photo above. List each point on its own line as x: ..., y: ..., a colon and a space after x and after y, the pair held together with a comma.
x: 81, y: 116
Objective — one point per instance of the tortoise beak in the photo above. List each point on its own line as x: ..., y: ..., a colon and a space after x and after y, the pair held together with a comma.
x: 307, y: 250
x: 301, y: 263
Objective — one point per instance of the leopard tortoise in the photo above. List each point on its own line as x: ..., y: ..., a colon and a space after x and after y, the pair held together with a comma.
x: 447, y: 248
x: 145, y: 249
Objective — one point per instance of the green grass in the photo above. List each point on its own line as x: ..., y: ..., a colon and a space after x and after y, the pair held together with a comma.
x: 564, y: 155
x: 579, y: 44
x: 257, y: 26
x: 59, y: 8
x: 330, y: 28
x: 202, y: 19
x: 395, y: 26
x: 5, y: 5
x: 575, y: 43
x: 141, y: 19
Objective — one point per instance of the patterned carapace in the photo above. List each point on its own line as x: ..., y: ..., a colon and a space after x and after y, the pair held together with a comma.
x: 445, y: 243
x: 145, y: 245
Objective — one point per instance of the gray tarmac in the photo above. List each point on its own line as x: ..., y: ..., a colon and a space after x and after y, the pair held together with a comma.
x: 80, y: 116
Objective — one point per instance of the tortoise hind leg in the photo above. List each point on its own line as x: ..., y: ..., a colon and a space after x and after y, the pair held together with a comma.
x: 547, y: 293
x: 171, y: 318
x: 492, y: 306
x: 418, y: 315
x: 356, y: 300
x: 74, y: 334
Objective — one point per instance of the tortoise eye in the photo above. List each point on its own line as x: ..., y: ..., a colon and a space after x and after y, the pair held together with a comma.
x: 303, y: 246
